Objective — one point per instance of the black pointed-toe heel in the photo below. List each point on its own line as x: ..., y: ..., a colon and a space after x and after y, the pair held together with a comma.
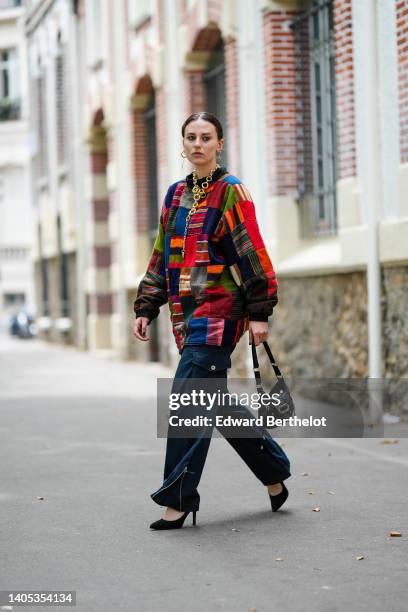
x: 278, y: 500
x: 163, y: 524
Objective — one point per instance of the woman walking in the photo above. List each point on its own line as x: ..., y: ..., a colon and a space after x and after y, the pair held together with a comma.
x: 210, y: 264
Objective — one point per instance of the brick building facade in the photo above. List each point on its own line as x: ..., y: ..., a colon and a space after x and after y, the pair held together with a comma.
x: 288, y: 79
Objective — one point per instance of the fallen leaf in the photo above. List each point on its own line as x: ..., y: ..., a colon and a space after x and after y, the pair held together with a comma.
x: 389, y: 441
x: 331, y: 492
x: 316, y: 509
x: 395, y: 534
x: 359, y: 558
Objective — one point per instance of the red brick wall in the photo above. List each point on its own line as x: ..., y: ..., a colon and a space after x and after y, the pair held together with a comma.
x: 100, y: 255
x: 161, y: 119
x: 140, y: 172
x: 195, y: 94
x: 346, y: 129
x: 112, y: 195
x: 214, y: 10
x: 279, y: 62
x: 232, y: 94
x: 101, y: 304
x: 402, y: 48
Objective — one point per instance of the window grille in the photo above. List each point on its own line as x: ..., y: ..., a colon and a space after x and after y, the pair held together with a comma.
x: 61, y: 95
x: 150, y: 124
x: 316, y: 119
x: 10, y: 102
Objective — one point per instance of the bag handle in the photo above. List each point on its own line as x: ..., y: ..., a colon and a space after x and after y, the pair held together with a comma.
x: 257, y: 372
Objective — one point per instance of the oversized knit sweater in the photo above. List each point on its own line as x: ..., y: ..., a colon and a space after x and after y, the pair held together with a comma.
x: 225, y: 278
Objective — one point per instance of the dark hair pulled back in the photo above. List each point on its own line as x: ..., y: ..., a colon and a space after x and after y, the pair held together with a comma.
x: 207, y: 117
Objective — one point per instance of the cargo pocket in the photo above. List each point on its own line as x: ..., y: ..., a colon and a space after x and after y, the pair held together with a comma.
x: 209, y: 367
x: 210, y: 362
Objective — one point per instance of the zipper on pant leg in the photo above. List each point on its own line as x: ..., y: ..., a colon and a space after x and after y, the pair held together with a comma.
x: 172, y: 482
x: 276, y: 453
x: 181, y: 484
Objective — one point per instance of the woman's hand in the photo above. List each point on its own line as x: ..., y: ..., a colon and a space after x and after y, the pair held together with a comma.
x: 140, y: 327
x: 259, y: 331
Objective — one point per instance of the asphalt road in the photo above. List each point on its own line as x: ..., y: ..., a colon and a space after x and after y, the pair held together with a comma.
x: 80, y: 432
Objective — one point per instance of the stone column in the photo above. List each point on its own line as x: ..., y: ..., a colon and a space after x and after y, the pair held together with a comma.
x: 98, y: 274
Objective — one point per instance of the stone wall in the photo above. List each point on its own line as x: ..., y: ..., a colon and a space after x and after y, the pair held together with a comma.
x: 319, y: 330
x: 319, y: 327
x: 395, y: 339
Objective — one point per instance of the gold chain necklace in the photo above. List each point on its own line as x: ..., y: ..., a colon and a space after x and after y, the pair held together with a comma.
x: 198, y: 194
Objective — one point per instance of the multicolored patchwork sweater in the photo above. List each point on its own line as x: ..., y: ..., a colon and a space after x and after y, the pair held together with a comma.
x: 225, y: 278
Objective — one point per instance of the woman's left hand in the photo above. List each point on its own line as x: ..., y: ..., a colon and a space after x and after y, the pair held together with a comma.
x: 258, y: 330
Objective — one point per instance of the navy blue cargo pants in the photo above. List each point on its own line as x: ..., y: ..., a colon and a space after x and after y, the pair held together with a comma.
x: 185, y: 457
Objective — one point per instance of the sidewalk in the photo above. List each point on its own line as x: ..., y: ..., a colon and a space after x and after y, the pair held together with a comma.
x: 80, y: 432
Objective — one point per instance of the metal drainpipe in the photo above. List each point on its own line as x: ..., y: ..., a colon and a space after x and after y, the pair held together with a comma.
x: 372, y: 197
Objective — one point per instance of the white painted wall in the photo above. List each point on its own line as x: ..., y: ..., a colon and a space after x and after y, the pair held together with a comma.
x: 388, y: 101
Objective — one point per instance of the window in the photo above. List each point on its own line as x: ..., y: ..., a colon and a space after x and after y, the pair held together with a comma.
x: 63, y: 271
x: 316, y: 119
x: 9, y: 85
x: 13, y: 299
x: 153, y: 218
x: 61, y: 95
x: 5, y: 4
x: 43, y: 269
x: 40, y: 125
x: 150, y: 123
